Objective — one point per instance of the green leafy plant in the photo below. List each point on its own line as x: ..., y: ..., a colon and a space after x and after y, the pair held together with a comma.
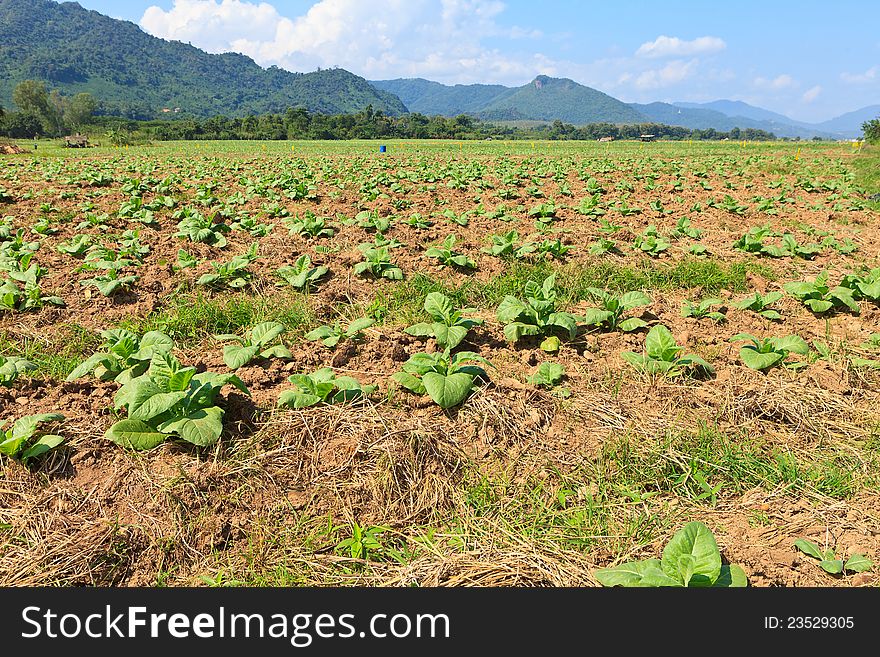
x: 651, y: 242
x: 762, y: 354
x: 536, y: 315
x: 233, y: 274
x: 448, y: 257
x: 662, y: 356
x: 761, y: 304
x: 857, y: 563
x: 198, y: 228
x: 612, y: 308
x: 377, y: 263
x: 864, y: 286
x: 819, y: 297
x: 703, y: 310
x: 364, y: 542
x: 449, y: 327
x: 330, y: 336
x: 11, y: 367
x: 445, y: 377
x: 691, y: 559
x: 683, y: 228
x: 550, y: 376
x: 504, y: 244
x: 301, y: 274
x: 23, y: 442
x: 322, y: 386
x: 256, y: 342
x: 170, y: 400
x: 110, y: 283
x: 309, y: 226
x: 124, y: 355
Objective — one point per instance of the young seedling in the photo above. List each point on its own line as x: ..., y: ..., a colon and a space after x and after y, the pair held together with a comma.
x: 503, y: 245
x: 610, y: 313
x: 549, y: 376
x: 330, y: 336
x: 170, y: 400
x: 110, y: 283
x: 761, y: 304
x: 536, y: 315
x: 198, y: 228
x: 651, y: 242
x: 301, y: 274
x: 864, y: 286
x: 449, y: 327
x: 256, y: 342
x: 18, y: 441
x: 309, y: 226
x: 445, y: 377
x: 857, y: 563
x: 448, y: 257
x: 703, y: 310
x: 819, y: 297
x: 691, y: 559
x: 124, y: 355
x: 233, y: 274
x: 683, y: 228
x: 377, y: 263
x: 662, y: 356
x: 764, y: 354
x: 322, y: 386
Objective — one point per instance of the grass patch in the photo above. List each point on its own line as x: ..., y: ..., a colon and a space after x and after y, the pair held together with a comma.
x: 55, y: 354
x: 190, y: 318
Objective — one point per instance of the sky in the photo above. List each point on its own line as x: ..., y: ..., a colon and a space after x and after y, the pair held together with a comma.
x: 809, y: 60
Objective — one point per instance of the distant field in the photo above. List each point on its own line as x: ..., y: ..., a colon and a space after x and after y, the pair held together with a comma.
x: 587, y: 438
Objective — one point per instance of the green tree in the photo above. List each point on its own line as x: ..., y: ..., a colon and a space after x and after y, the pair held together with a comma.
x: 32, y: 96
x: 80, y: 109
x: 22, y: 125
x: 872, y: 130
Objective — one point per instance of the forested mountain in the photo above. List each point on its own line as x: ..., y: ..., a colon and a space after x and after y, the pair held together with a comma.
x: 542, y: 99
x: 136, y: 75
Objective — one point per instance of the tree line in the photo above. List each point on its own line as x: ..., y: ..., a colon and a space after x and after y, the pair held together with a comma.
x: 44, y: 113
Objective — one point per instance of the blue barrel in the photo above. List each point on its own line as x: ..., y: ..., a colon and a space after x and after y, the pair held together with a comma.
x: 382, y: 148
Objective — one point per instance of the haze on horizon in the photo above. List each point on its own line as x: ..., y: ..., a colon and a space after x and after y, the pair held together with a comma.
x: 809, y: 61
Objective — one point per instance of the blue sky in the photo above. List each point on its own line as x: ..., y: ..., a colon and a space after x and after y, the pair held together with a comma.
x: 809, y: 60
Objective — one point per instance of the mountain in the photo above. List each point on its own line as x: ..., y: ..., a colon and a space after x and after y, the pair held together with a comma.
x: 543, y: 99
x: 136, y: 75
x: 549, y: 99
x: 427, y: 97
x: 738, y: 108
x: 850, y: 124
x: 698, y: 115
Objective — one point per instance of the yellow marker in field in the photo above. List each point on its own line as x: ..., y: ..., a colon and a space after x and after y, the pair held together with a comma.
x: 459, y: 147
x: 533, y: 144
x: 797, y: 155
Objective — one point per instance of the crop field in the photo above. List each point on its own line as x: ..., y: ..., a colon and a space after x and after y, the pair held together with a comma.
x: 476, y: 364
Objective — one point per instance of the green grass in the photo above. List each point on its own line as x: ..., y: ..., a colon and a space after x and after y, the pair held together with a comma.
x: 866, y: 167
x: 54, y: 355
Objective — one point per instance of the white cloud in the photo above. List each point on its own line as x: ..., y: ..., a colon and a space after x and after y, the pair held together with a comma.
x: 870, y: 75
x: 440, y: 39
x: 811, y: 94
x: 674, y: 72
x: 783, y: 81
x: 664, y: 46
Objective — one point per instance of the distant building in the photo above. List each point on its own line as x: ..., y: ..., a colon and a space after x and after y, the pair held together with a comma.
x: 647, y: 137
x: 605, y: 139
x: 76, y: 141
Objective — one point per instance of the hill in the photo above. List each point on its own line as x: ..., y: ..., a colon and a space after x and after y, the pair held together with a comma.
x: 543, y: 99
x: 136, y: 75
x: 695, y: 115
x: 427, y: 97
x: 850, y: 124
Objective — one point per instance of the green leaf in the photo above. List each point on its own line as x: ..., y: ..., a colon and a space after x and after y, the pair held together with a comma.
x: 90, y: 364
x: 359, y: 325
x: 809, y: 547
x: 148, y: 401
x: 732, y: 576
x: 25, y: 427
x: 694, y: 540
x: 758, y: 361
x: 135, y: 434
x: 793, y: 343
x: 263, y: 333
x: 43, y: 445
x: 277, y: 351
x: 646, y: 573
x: 832, y: 566
x: 551, y: 345
x: 449, y: 337
x: 595, y: 316
x: 180, y: 379
x: 660, y: 344
x: 153, y: 342
x: 858, y: 563
x: 633, y: 300
x: 448, y: 391
x: 410, y: 382
x: 438, y: 306
x: 632, y: 324
x: 236, y: 356
x: 298, y: 399
x: 201, y: 427
x: 510, y: 309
